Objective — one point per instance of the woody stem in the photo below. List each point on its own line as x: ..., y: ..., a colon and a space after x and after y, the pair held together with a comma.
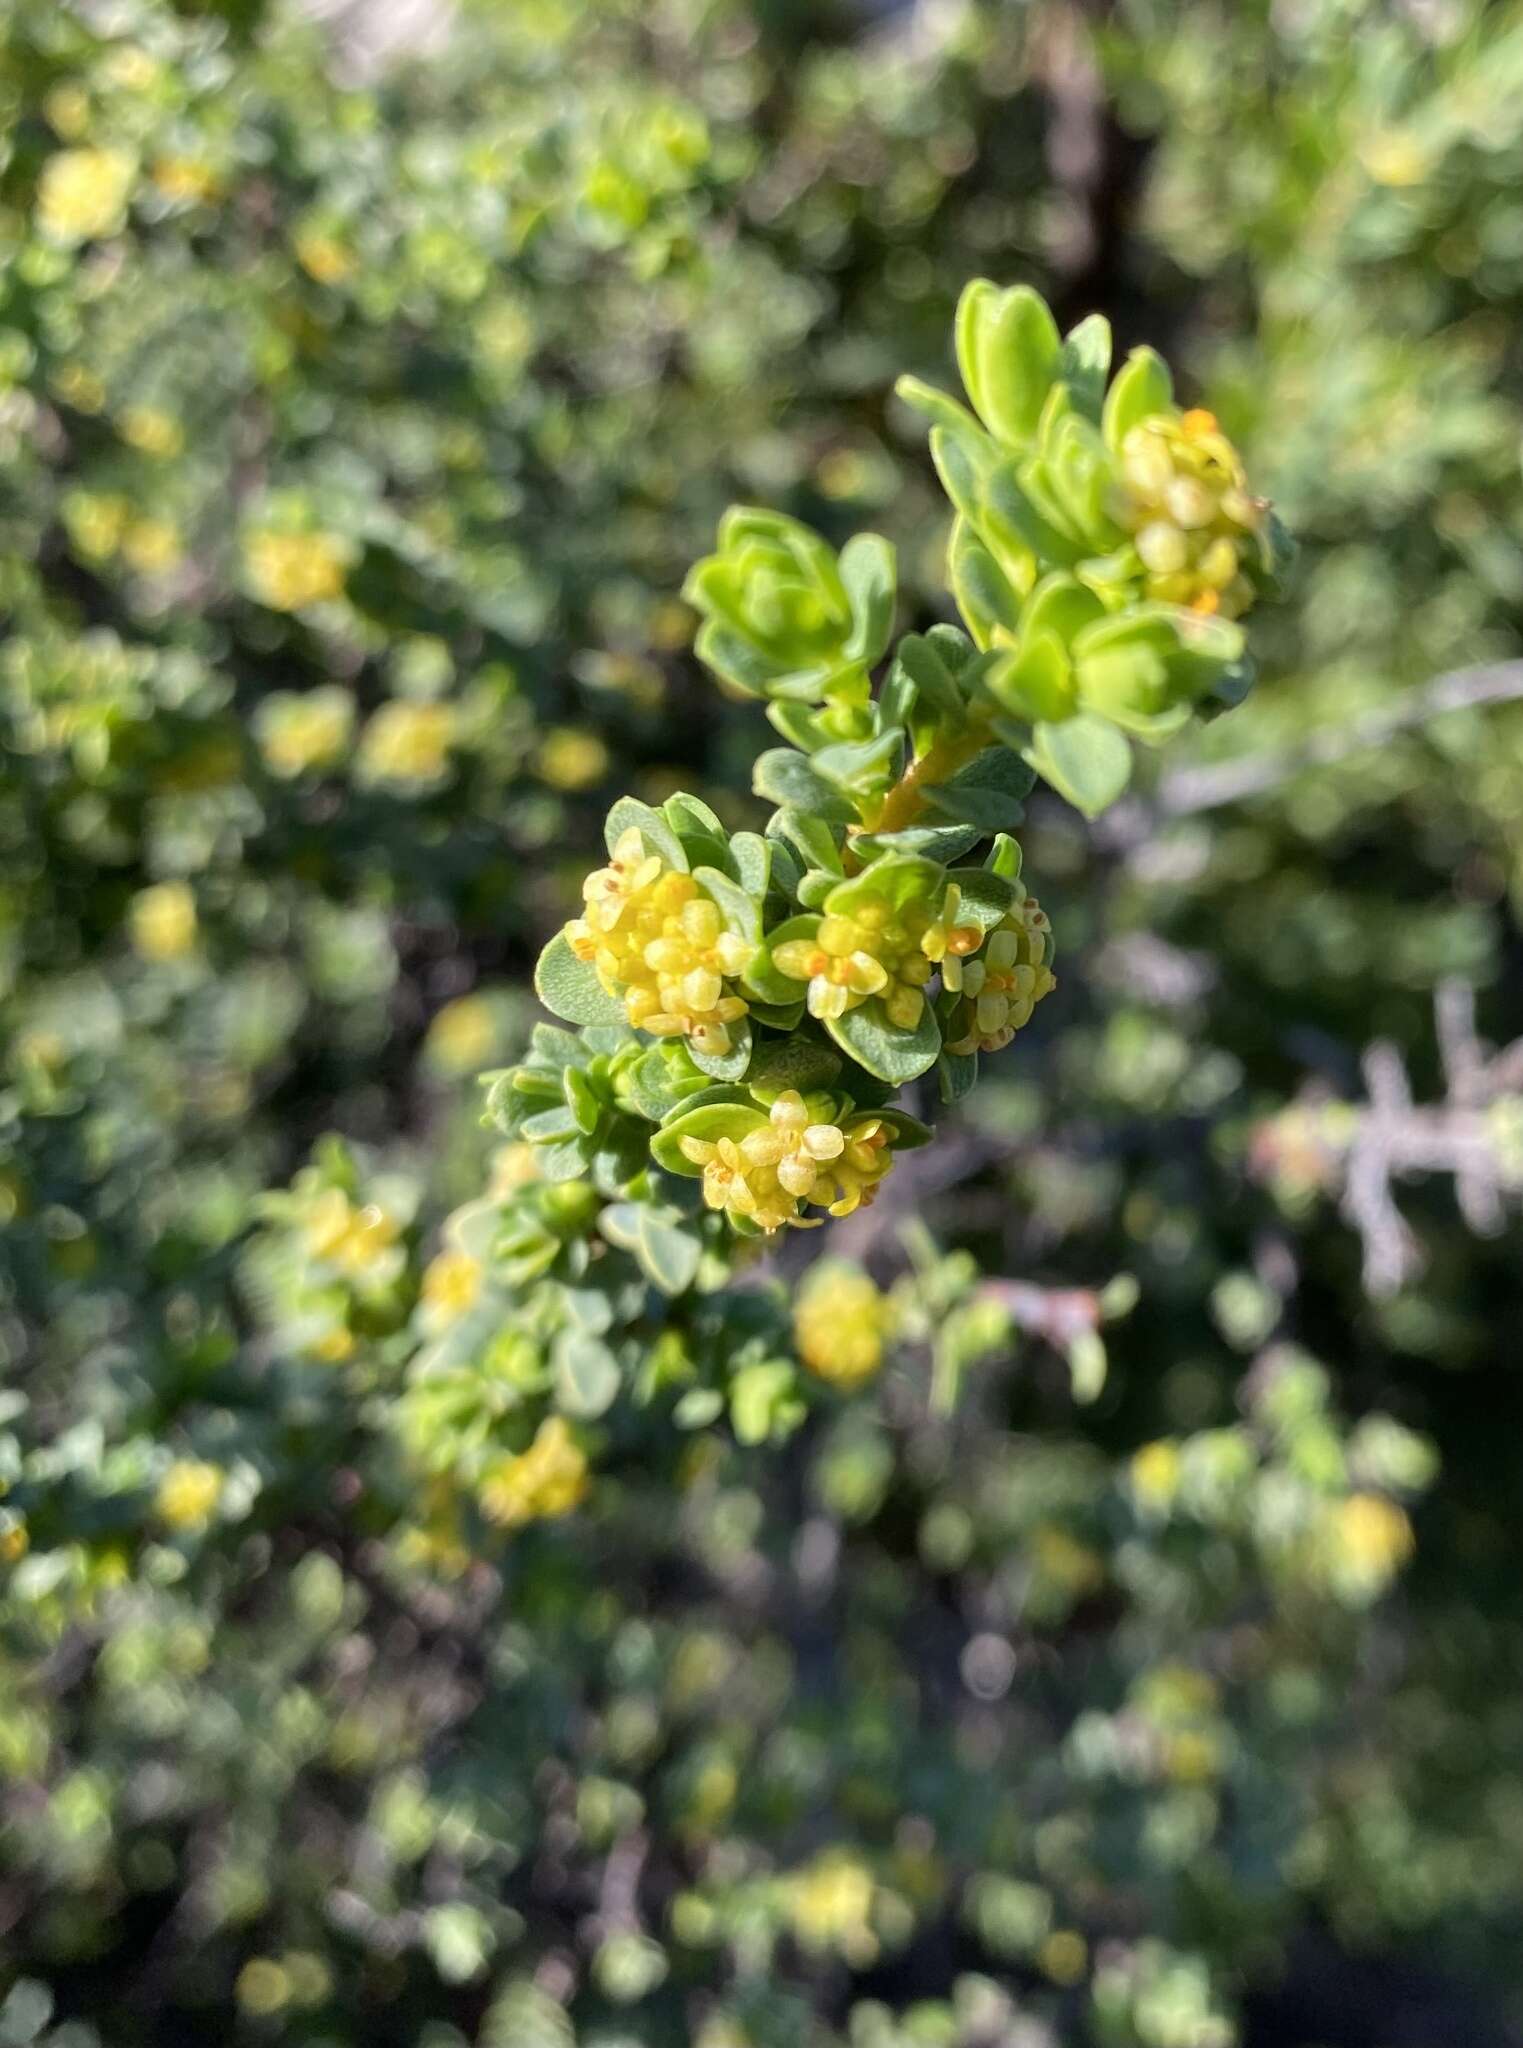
x: 903, y: 804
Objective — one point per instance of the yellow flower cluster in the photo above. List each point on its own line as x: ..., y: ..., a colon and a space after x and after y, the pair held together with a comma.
x: 830, y: 1905
x: 659, y: 942
x: 163, y: 921
x: 879, y: 949
x: 407, y: 744
x: 151, y: 431
x: 188, y: 1493
x: 289, y: 571
x: 839, y: 1322
x: 546, y: 1480
x: 353, y: 1239
x: 1001, y: 986
x: 82, y: 193
x: 571, y: 760
x: 302, y: 731
x: 793, y: 1155
x: 1185, y: 501
x: 1367, y: 1539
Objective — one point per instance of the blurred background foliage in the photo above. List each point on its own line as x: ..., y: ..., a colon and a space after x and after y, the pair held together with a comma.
x: 361, y: 411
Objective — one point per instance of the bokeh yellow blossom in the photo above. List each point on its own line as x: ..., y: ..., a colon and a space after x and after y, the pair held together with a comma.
x: 289, y: 571
x: 407, y: 744
x: 162, y: 921
x: 82, y: 193
x: 840, y: 1320
x: 306, y: 730
x: 188, y: 1493
x: 547, y: 1480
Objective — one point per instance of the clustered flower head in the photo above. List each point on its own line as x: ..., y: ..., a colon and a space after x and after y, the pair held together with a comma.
x: 795, y: 1152
x: 658, y: 941
x: 547, y: 1480
x: 1184, y: 498
x: 880, y: 949
x: 1003, y: 982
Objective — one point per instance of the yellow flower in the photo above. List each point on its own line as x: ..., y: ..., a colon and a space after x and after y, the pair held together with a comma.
x: 407, y: 744
x: 464, y: 1034
x: 163, y: 921
x: 451, y: 1285
x: 513, y: 1167
x: 151, y: 546
x: 571, y: 760
x: 82, y: 193
x: 289, y: 571
x: 1003, y: 983
x: 1184, y: 499
x: 14, y: 1538
x: 67, y: 108
x: 353, y: 1239
x: 263, y: 1988
x: 1064, y: 1956
x: 80, y: 387
x: 658, y: 940
x: 830, y: 1905
x: 839, y: 1323
x: 300, y: 732
x: 153, y: 432
x: 333, y: 1347
x: 547, y: 1480
x: 185, y: 180
x: 877, y: 948
x: 1155, y: 1471
x: 96, y: 522
x: 1368, y: 1539
x: 322, y: 257
x: 793, y: 1154
x: 188, y: 1493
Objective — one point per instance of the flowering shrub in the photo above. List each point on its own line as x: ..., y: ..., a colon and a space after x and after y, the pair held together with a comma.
x: 469, y: 1585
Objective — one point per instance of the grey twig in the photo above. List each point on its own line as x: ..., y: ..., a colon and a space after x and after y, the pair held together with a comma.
x: 1213, y: 784
x: 1366, y: 1148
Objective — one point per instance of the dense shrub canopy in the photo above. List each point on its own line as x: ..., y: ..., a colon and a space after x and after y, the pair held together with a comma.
x: 1074, y: 1598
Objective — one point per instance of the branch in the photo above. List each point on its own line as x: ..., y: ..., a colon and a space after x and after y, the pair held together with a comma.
x: 1209, y: 787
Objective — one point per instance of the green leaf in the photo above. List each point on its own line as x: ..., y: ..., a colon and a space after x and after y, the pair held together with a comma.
x: 985, y: 897
x: 988, y: 791
x: 762, y: 978
x: 869, y: 572
x: 742, y: 913
x: 708, y: 1122
x: 1142, y: 389
x: 751, y: 863
x: 897, y: 878
x: 1085, y: 759
x: 985, y: 595
x: 935, y: 684
x: 938, y: 406
x: 810, y: 835
x: 862, y: 768
x: 667, y: 1251
x: 957, y: 1073
x: 786, y: 777
x: 1085, y: 363
x: 1015, y: 340
x: 570, y: 987
x: 801, y: 1063
x: 1004, y: 857
x: 586, y: 1374
x: 940, y: 843
x: 884, y: 1049
x: 657, y: 834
